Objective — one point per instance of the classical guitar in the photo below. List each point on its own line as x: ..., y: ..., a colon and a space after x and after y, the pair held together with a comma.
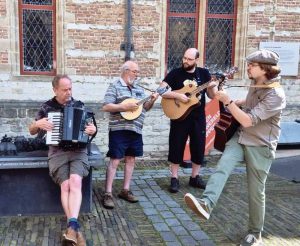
x: 177, y: 110
x: 131, y: 115
x: 227, y: 125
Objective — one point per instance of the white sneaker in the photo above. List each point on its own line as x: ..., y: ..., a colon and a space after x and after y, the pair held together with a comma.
x: 251, y: 240
x: 198, y: 206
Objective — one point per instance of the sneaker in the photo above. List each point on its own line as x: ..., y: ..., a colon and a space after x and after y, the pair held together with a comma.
x: 80, y: 239
x: 70, y: 236
x: 174, y: 188
x: 197, y: 182
x: 127, y: 196
x: 198, y: 206
x: 108, y: 201
x: 251, y: 239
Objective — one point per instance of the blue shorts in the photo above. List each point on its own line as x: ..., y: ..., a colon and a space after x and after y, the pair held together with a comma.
x: 124, y: 143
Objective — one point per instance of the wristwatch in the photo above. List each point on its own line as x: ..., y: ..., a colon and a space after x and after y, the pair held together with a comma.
x: 226, y: 105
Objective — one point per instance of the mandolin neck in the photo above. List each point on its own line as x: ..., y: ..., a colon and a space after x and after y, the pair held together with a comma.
x: 143, y: 100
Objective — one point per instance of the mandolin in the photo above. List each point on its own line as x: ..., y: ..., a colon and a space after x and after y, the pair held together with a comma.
x: 131, y: 115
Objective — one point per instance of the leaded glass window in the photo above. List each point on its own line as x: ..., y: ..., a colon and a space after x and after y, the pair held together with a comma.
x: 219, y: 34
x: 218, y: 43
x: 37, y: 39
x: 183, y: 6
x: 181, y: 36
x: 182, y: 25
x: 220, y: 7
x: 38, y: 2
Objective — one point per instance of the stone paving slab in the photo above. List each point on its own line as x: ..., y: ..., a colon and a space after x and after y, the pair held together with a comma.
x: 229, y: 219
x: 162, y: 218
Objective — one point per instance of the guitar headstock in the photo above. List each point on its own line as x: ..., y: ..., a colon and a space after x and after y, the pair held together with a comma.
x: 222, y: 77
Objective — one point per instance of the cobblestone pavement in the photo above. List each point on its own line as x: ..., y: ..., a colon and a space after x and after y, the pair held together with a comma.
x: 162, y: 218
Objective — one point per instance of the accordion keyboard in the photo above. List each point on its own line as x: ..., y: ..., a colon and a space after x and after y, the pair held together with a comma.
x: 53, y: 137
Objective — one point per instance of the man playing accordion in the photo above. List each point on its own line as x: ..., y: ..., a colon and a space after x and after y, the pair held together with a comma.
x: 67, y: 167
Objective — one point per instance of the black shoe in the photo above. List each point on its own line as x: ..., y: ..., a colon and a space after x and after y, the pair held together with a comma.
x: 197, y: 182
x: 174, y: 185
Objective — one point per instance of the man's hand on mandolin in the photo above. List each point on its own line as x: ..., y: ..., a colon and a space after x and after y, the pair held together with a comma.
x: 130, y: 106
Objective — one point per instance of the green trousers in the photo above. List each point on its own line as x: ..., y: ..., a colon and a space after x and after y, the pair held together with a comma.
x: 258, y: 160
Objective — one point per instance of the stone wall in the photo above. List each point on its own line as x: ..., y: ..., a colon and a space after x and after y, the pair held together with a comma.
x: 16, y: 117
x: 89, y: 38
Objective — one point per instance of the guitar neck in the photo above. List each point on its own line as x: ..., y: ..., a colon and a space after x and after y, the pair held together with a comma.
x: 200, y: 88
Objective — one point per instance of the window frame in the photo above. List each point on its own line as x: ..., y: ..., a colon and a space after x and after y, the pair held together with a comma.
x: 187, y: 15
x: 51, y: 8
x: 200, y: 26
x: 232, y: 16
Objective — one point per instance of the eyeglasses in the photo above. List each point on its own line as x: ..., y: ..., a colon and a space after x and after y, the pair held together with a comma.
x: 134, y: 71
x: 188, y: 59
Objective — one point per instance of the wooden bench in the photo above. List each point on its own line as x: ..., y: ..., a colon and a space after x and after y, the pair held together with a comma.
x: 27, y: 189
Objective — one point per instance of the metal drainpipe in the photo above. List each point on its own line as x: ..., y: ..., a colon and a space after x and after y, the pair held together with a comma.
x: 128, y: 45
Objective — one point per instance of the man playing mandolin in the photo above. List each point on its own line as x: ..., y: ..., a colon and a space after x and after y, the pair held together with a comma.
x: 192, y: 123
x: 125, y: 136
x: 254, y: 143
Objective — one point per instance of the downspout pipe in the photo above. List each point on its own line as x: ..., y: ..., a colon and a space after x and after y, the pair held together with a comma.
x: 128, y: 34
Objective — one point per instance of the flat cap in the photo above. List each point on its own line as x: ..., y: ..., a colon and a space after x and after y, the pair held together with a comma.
x: 263, y: 56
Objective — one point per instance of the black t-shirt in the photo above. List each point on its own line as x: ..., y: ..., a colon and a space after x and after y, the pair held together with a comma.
x: 177, y: 76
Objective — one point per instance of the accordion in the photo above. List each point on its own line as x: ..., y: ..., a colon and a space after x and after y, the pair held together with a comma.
x: 69, y: 126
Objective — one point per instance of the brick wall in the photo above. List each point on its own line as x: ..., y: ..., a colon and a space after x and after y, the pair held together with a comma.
x: 97, y: 32
x: 278, y: 22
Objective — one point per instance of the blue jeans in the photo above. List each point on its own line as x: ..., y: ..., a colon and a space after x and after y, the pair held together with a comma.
x: 258, y: 161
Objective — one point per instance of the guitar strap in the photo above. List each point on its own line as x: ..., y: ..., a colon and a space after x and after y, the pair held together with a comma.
x: 272, y: 85
x: 275, y: 84
x: 197, y: 76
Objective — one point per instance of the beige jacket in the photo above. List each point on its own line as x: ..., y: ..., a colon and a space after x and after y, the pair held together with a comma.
x: 264, y: 105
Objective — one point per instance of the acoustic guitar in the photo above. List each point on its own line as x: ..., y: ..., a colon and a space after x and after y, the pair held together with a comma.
x: 177, y: 110
x: 225, y: 129
x: 227, y: 124
x: 131, y: 115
